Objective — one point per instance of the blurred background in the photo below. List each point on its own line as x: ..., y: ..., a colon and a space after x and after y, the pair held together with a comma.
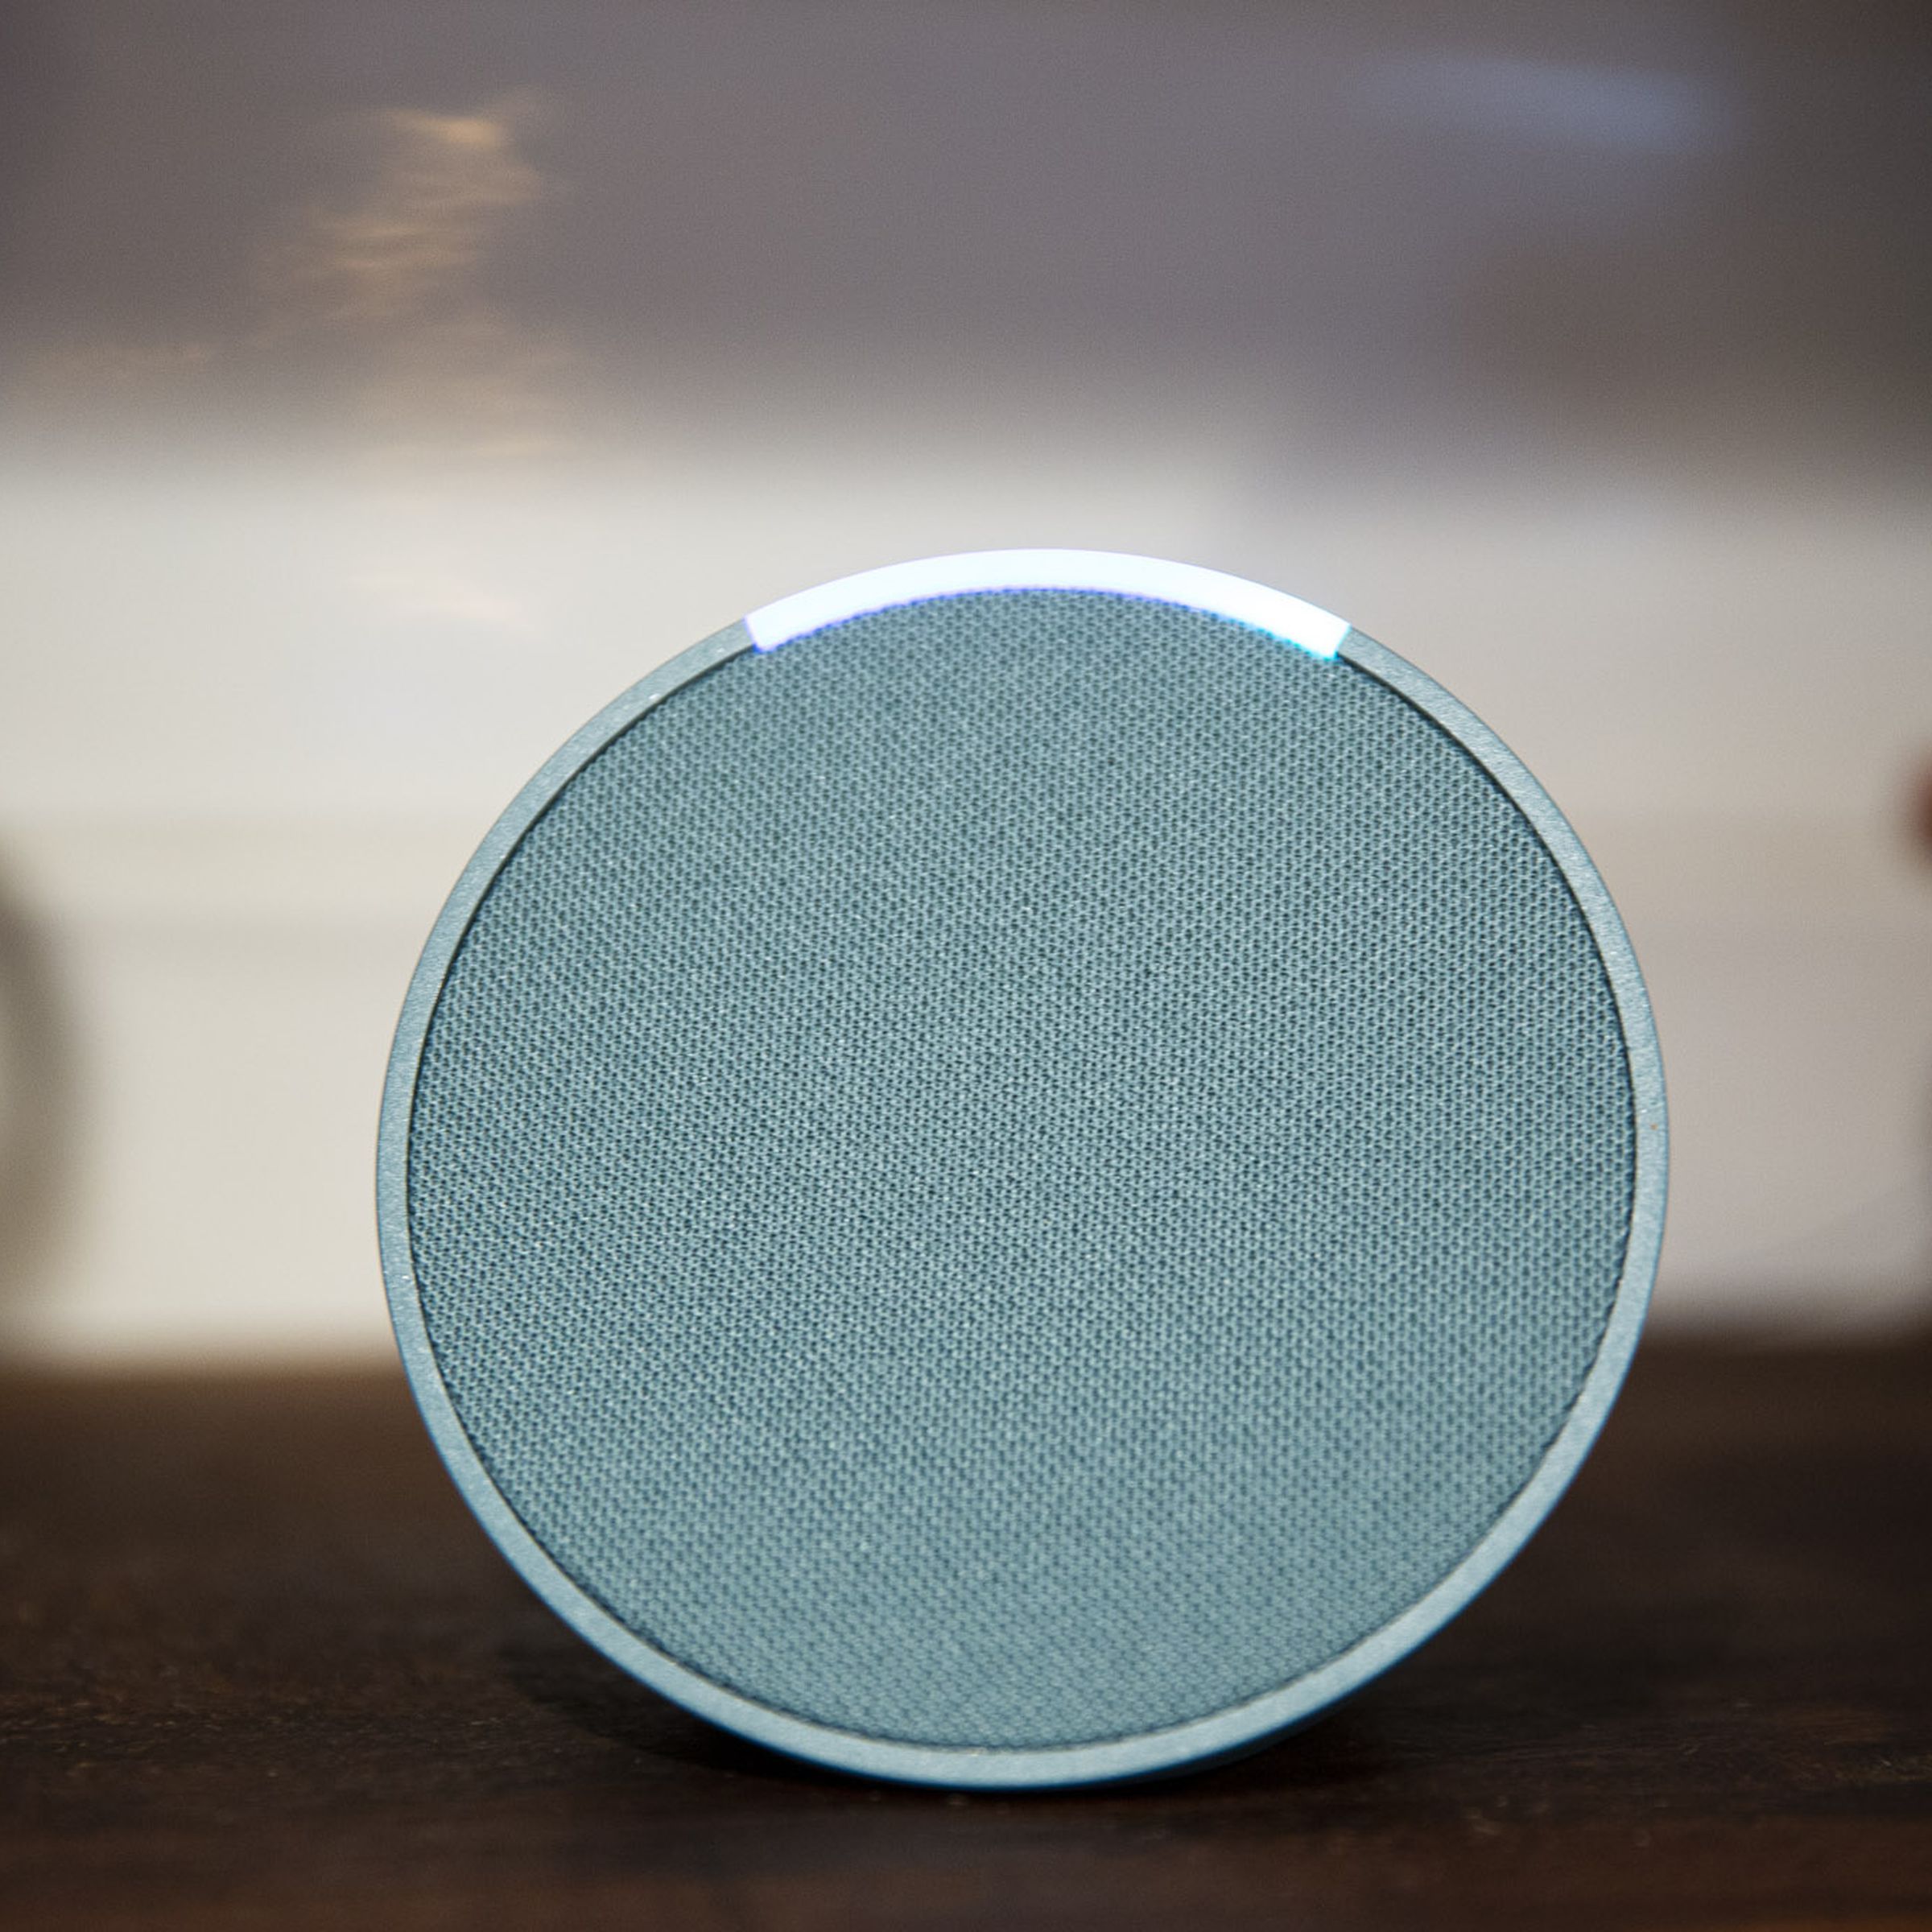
x: 387, y: 386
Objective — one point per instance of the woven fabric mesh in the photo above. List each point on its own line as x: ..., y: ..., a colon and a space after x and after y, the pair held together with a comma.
x: 1021, y: 1170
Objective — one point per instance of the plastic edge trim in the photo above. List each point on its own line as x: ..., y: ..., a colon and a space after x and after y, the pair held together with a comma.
x: 1289, y: 619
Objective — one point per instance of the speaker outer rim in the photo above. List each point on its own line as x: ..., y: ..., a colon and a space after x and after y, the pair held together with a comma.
x: 1238, y: 1727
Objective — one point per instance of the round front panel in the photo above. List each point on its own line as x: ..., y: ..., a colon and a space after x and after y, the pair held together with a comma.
x: 1025, y: 1185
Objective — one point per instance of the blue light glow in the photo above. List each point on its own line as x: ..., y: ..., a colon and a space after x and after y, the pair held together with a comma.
x: 1312, y: 630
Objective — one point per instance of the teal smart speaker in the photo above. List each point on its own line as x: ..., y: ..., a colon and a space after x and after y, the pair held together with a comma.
x: 1021, y: 1169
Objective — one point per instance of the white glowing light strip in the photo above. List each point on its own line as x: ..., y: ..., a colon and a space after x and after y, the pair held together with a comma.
x: 1315, y: 631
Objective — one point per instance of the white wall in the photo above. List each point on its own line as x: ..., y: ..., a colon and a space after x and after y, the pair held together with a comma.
x: 266, y: 713
x: 384, y: 388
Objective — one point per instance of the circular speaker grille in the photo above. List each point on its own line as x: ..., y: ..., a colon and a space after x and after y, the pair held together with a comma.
x: 1027, y: 1186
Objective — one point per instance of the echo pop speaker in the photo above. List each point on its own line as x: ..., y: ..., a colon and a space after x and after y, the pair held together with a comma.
x: 1021, y: 1169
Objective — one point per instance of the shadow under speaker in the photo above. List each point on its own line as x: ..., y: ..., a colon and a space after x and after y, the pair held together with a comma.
x: 1021, y: 1169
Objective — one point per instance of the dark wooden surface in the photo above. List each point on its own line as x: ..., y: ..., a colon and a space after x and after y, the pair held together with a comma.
x: 260, y: 1669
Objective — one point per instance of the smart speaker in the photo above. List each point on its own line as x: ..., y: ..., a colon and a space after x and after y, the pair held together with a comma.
x: 1021, y: 1169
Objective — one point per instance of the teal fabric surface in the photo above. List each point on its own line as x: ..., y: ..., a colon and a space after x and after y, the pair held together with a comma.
x: 1021, y: 1170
